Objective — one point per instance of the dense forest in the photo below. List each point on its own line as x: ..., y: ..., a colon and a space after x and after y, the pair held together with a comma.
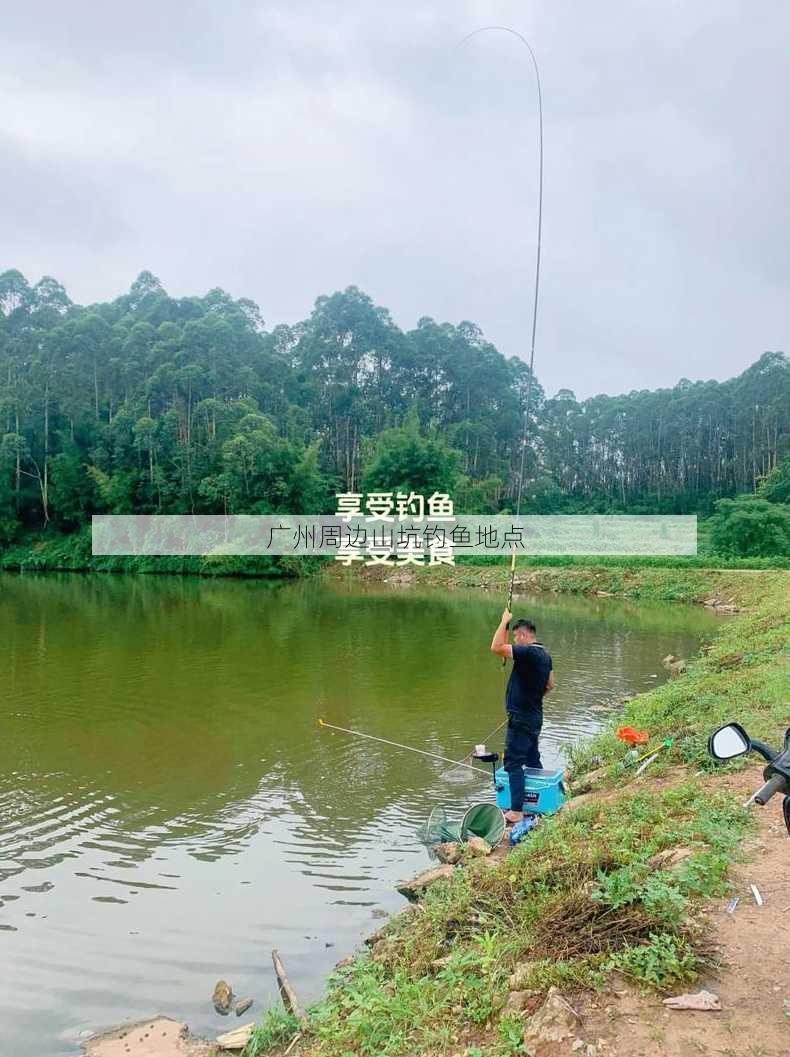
x: 152, y: 403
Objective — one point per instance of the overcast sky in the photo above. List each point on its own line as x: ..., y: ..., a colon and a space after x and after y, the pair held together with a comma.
x: 283, y: 149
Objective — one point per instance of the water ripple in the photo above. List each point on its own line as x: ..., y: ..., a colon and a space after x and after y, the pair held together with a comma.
x: 170, y: 809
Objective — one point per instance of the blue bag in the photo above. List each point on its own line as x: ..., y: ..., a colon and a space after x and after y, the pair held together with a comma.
x: 523, y: 829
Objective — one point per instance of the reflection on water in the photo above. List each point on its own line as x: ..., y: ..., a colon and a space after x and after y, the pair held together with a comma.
x: 170, y: 809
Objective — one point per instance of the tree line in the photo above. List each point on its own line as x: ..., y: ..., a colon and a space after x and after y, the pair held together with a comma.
x: 150, y: 403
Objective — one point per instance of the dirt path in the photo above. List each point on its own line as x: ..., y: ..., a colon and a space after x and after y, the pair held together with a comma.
x: 752, y: 982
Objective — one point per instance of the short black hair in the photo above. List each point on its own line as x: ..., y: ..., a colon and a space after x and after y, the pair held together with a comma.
x: 525, y: 624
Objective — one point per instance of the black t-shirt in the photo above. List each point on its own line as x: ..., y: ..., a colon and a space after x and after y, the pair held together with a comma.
x: 527, y: 683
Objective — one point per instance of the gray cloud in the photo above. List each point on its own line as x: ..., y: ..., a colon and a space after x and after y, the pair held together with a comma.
x: 283, y: 150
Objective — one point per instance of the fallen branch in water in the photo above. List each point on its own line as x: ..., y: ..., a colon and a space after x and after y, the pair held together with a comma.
x: 287, y: 993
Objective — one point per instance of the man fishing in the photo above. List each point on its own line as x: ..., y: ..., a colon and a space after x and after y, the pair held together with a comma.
x: 531, y: 678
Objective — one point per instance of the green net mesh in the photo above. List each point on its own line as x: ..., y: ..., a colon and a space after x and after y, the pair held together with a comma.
x: 480, y: 820
x: 483, y: 820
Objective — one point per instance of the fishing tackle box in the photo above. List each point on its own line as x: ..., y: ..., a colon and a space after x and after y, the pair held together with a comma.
x: 544, y: 791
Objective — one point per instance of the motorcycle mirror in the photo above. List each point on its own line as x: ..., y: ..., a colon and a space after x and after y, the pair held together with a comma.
x: 729, y: 741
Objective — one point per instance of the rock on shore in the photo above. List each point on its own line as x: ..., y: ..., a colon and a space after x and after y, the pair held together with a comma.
x: 157, y: 1037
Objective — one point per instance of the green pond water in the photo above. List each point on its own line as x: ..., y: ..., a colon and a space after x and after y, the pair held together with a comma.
x: 170, y: 810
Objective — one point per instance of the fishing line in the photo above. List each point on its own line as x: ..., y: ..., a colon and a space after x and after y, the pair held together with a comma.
x: 453, y: 773
x: 398, y: 745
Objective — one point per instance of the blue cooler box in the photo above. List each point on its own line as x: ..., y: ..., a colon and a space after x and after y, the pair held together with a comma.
x: 544, y: 795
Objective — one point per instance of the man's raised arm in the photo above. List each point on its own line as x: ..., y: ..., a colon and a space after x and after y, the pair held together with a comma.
x: 499, y: 644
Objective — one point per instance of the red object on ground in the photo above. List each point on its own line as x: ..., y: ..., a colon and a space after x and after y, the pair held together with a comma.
x: 631, y: 736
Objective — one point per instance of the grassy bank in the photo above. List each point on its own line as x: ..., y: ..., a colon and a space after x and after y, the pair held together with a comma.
x: 683, y: 561
x: 631, y: 579
x: 51, y: 551
x: 595, y: 889
x: 72, y: 553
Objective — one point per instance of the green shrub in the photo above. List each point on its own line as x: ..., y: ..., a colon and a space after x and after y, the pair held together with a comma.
x: 776, y: 486
x: 751, y: 527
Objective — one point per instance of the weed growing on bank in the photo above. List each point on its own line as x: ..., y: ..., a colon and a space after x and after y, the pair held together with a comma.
x: 582, y: 897
x: 276, y: 1028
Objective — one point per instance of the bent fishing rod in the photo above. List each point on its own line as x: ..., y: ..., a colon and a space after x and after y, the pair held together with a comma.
x: 527, y: 402
x: 528, y: 396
